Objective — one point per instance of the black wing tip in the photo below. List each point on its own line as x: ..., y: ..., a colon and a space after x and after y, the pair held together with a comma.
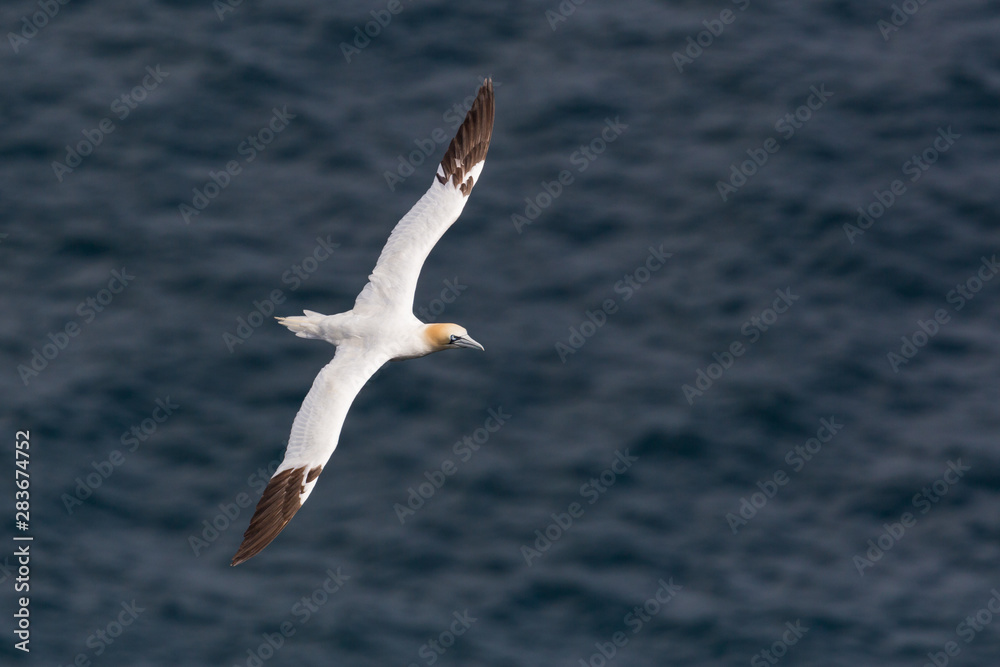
x: 276, y: 507
x: 471, y: 142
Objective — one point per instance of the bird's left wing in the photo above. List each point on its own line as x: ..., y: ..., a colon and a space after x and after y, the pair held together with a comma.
x: 394, y: 280
x: 314, y: 436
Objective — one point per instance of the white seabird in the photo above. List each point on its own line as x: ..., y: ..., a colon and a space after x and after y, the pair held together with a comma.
x: 381, y: 327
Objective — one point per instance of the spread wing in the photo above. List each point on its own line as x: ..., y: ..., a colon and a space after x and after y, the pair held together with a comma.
x: 394, y: 280
x: 314, y: 436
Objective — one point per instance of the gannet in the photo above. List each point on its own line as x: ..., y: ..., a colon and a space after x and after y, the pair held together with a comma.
x: 381, y: 327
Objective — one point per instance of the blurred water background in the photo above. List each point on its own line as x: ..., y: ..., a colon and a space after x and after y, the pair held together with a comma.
x: 786, y: 378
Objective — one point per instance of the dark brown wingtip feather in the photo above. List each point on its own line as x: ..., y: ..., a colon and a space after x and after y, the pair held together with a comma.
x: 276, y: 507
x: 470, y: 144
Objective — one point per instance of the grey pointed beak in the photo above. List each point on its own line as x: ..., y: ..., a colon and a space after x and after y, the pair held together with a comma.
x: 466, y: 341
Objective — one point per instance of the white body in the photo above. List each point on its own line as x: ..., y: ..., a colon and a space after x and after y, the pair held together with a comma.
x: 381, y: 327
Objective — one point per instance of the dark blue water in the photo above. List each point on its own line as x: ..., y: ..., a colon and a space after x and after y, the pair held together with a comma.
x: 713, y: 392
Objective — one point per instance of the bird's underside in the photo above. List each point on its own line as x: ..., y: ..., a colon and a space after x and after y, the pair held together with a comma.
x: 386, y: 304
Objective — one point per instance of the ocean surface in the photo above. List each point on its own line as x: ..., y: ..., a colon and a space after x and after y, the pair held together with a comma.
x: 734, y: 265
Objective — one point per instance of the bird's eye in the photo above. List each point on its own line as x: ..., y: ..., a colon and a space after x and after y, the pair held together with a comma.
x: 453, y: 338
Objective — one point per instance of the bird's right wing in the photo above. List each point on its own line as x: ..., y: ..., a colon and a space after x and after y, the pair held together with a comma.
x: 394, y: 280
x: 314, y: 436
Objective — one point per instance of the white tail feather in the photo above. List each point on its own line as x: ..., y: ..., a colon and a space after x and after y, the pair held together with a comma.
x: 304, y: 327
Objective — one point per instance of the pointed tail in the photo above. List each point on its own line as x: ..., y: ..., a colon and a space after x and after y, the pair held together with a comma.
x: 304, y: 327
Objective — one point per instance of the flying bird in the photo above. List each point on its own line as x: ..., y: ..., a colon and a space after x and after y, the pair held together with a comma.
x: 381, y: 327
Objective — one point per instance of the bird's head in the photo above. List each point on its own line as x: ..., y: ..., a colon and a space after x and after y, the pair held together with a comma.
x: 448, y: 337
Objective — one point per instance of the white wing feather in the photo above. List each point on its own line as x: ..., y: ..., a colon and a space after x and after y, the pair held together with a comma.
x: 393, y: 282
x: 389, y: 292
x: 314, y: 436
x: 317, y: 425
